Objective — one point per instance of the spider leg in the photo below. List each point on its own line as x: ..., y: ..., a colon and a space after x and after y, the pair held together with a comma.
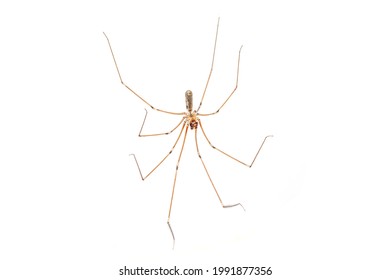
x: 234, y: 90
x: 174, y: 184
x: 200, y: 157
x: 249, y: 165
x: 139, y: 169
x: 136, y: 94
x: 212, y: 65
x: 157, y: 134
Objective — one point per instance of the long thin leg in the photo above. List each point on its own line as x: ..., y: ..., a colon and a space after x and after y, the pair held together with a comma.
x: 174, y: 184
x: 249, y: 165
x: 208, y: 175
x: 234, y: 90
x: 120, y: 77
x: 212, y: 65
x: 136, y: 161
x: 157, y: 134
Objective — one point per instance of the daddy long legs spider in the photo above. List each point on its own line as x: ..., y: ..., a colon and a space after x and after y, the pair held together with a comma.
x: 190, y: 119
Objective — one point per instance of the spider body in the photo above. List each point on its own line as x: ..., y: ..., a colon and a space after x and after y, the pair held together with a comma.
x: 191, y: 115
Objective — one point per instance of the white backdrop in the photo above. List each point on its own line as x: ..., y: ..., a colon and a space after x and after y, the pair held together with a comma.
x: 315, y: 75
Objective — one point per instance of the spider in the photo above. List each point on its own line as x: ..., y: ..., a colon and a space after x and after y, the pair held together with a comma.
x: 190, y: 119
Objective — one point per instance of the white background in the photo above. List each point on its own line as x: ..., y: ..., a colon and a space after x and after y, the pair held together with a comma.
x: 314, y: 74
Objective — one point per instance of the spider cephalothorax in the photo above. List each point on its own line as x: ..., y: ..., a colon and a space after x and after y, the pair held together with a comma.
x: 192, y: 119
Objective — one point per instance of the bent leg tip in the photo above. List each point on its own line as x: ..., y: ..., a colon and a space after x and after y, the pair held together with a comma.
x: 233, y: 205
x: 173, y: 236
